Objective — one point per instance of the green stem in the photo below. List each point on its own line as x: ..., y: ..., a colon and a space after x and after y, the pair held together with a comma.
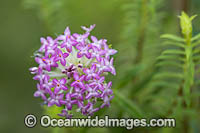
x: 188, y: 72
x: 142, y: 30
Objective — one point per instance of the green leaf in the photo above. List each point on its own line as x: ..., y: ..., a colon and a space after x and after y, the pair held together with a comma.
x: 178, y: 44
x: 169, y: 63
x: 195, y: 43
x: 174, y: 51
x: 173, y: 37
x: 162, y: 75
x: 165, y: 84
x: 194, y: 16
x: 139, y: 86
x: 129, y: 76
x: 171, y: 57
x: 196, y: 58
x: 127, y: 106
x: 196, y: 51
x: 196, y: 37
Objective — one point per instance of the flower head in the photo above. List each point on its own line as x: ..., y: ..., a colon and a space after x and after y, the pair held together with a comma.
x: 71, y: 72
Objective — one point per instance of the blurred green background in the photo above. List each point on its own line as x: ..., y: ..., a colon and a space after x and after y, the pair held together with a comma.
x: 133, y: 27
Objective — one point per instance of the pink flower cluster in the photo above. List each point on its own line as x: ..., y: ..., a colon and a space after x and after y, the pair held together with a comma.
x: 71, y: 72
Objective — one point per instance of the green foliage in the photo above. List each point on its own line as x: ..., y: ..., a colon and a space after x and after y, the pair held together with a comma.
x: 50, y: 12
x: 167, y: 91
x: 183, y: 60
x: 177, y: 70
x: 139, y: 37
x: 138, y: 32
x: 127, y: 106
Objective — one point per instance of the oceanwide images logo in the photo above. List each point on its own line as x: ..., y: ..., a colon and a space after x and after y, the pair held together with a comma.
x: 129, y: 123
x: 30, y: 120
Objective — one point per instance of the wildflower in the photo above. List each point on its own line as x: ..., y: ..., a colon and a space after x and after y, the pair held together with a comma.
x: 88, y: 29
x: 40, y: 76
x: 78, y: 81
x: 61, y: 57
x: 92, y: 92
x: 108, y: 51
x: 45, y: 82
x: 59, y: 84
x: 71, y: 72
x: 49, y: 63
x: 96, y: 42
x: 65, y: 113
x: 40, y: 92
x: 68, y: 101
x: 90, y: 73
x: 67, y: 40
x: 84, y: 50
x: 97, y: 53
x: 98, y: 82
x: 55, y: 99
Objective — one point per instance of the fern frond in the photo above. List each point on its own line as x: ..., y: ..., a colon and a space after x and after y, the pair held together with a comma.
x: 194, y: 44
x: 139, y: 43
x: 164, y: 75
x: 161, y: 83
x: 173, y: 51
x: 171, y: 57
x: 173, y: 37
x: 169, y: 63
x: 195, y: 38
x: 181, y: 57
x: 171, y: 43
